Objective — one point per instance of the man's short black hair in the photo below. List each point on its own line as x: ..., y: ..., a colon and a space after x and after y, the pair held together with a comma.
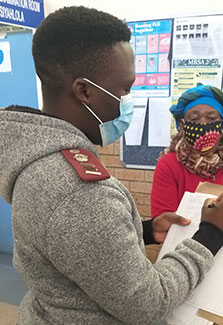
x: 75, y: 42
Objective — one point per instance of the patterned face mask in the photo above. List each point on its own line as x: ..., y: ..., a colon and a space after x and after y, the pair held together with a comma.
x: 202, y: 136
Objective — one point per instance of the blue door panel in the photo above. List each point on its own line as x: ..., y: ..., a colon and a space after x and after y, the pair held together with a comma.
x: 17, y: 87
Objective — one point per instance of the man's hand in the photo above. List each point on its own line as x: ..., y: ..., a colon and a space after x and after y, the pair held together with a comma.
x: 162, y: 223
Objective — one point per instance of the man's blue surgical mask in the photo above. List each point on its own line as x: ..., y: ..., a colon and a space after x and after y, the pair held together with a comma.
x: 114, y: 129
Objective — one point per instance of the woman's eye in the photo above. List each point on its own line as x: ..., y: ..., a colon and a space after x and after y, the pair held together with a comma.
x: 212, y: 119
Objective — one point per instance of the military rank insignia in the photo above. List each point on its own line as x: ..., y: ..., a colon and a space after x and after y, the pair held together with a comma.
x: 87, y: 166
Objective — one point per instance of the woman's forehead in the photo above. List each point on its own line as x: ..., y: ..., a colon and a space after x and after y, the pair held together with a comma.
x: 202, y: 109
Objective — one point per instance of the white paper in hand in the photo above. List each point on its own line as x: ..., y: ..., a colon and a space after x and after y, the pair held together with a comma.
x: 209, y: 294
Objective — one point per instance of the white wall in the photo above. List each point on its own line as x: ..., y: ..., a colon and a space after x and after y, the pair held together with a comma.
x: 143, y: 8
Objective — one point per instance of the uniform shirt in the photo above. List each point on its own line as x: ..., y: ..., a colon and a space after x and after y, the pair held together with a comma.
x: 171, y: 180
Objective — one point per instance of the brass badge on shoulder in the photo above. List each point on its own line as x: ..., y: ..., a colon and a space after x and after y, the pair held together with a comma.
x: 80, y: 157
x: 88, y: 167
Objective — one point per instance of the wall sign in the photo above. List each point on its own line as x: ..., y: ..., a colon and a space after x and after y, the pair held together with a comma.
x: 28, y: 13
x: 5, y: 58
x: 151, y: 41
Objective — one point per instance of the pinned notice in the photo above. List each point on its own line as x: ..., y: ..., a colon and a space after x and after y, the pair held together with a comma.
x: 5, y: 58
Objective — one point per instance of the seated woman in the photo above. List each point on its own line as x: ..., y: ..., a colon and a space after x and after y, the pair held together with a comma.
x: 195, y: 153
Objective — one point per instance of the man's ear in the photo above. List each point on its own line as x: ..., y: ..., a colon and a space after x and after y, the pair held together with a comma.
x: 81, y: 90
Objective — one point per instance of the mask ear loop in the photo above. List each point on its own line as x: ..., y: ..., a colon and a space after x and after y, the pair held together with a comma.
x: 102, y: 89
x: 178, y: 124
x: 93, y: 113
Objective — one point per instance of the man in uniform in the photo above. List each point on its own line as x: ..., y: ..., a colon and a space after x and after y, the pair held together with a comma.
x: 77, y: 233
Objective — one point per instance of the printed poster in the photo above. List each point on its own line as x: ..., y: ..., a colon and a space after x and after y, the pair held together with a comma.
x: 151, y: 41
x: 187, y: 73
x: 198, y: 37
x: 133, y: 135
x: 159, y: 122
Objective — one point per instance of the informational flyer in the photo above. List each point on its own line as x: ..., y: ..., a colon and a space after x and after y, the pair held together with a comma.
x: 5, y: 57
x: 159, y: 122
x: 187, y: 73
x: 150, y: 41
x: 198, y: 37
x: 133, y: 135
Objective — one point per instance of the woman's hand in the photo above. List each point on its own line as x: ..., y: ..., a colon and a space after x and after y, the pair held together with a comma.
x: 162, y: 223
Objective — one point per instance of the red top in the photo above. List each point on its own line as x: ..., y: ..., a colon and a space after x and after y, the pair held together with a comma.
x: 171, y: 180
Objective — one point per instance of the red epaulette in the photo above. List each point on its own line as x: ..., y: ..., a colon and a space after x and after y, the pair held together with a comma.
x: 88, y: 167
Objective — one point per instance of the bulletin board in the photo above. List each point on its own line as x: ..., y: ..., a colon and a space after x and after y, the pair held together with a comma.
x: 171, y: 56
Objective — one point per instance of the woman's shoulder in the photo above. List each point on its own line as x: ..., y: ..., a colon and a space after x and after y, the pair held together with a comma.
x: 169, y: 158
x: 169, y: 164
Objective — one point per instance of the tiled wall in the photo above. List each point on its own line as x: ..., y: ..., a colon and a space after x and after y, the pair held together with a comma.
x: 138, y: 181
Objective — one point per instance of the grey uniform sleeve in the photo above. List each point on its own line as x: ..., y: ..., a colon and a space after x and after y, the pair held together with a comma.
x: 94, y: 243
